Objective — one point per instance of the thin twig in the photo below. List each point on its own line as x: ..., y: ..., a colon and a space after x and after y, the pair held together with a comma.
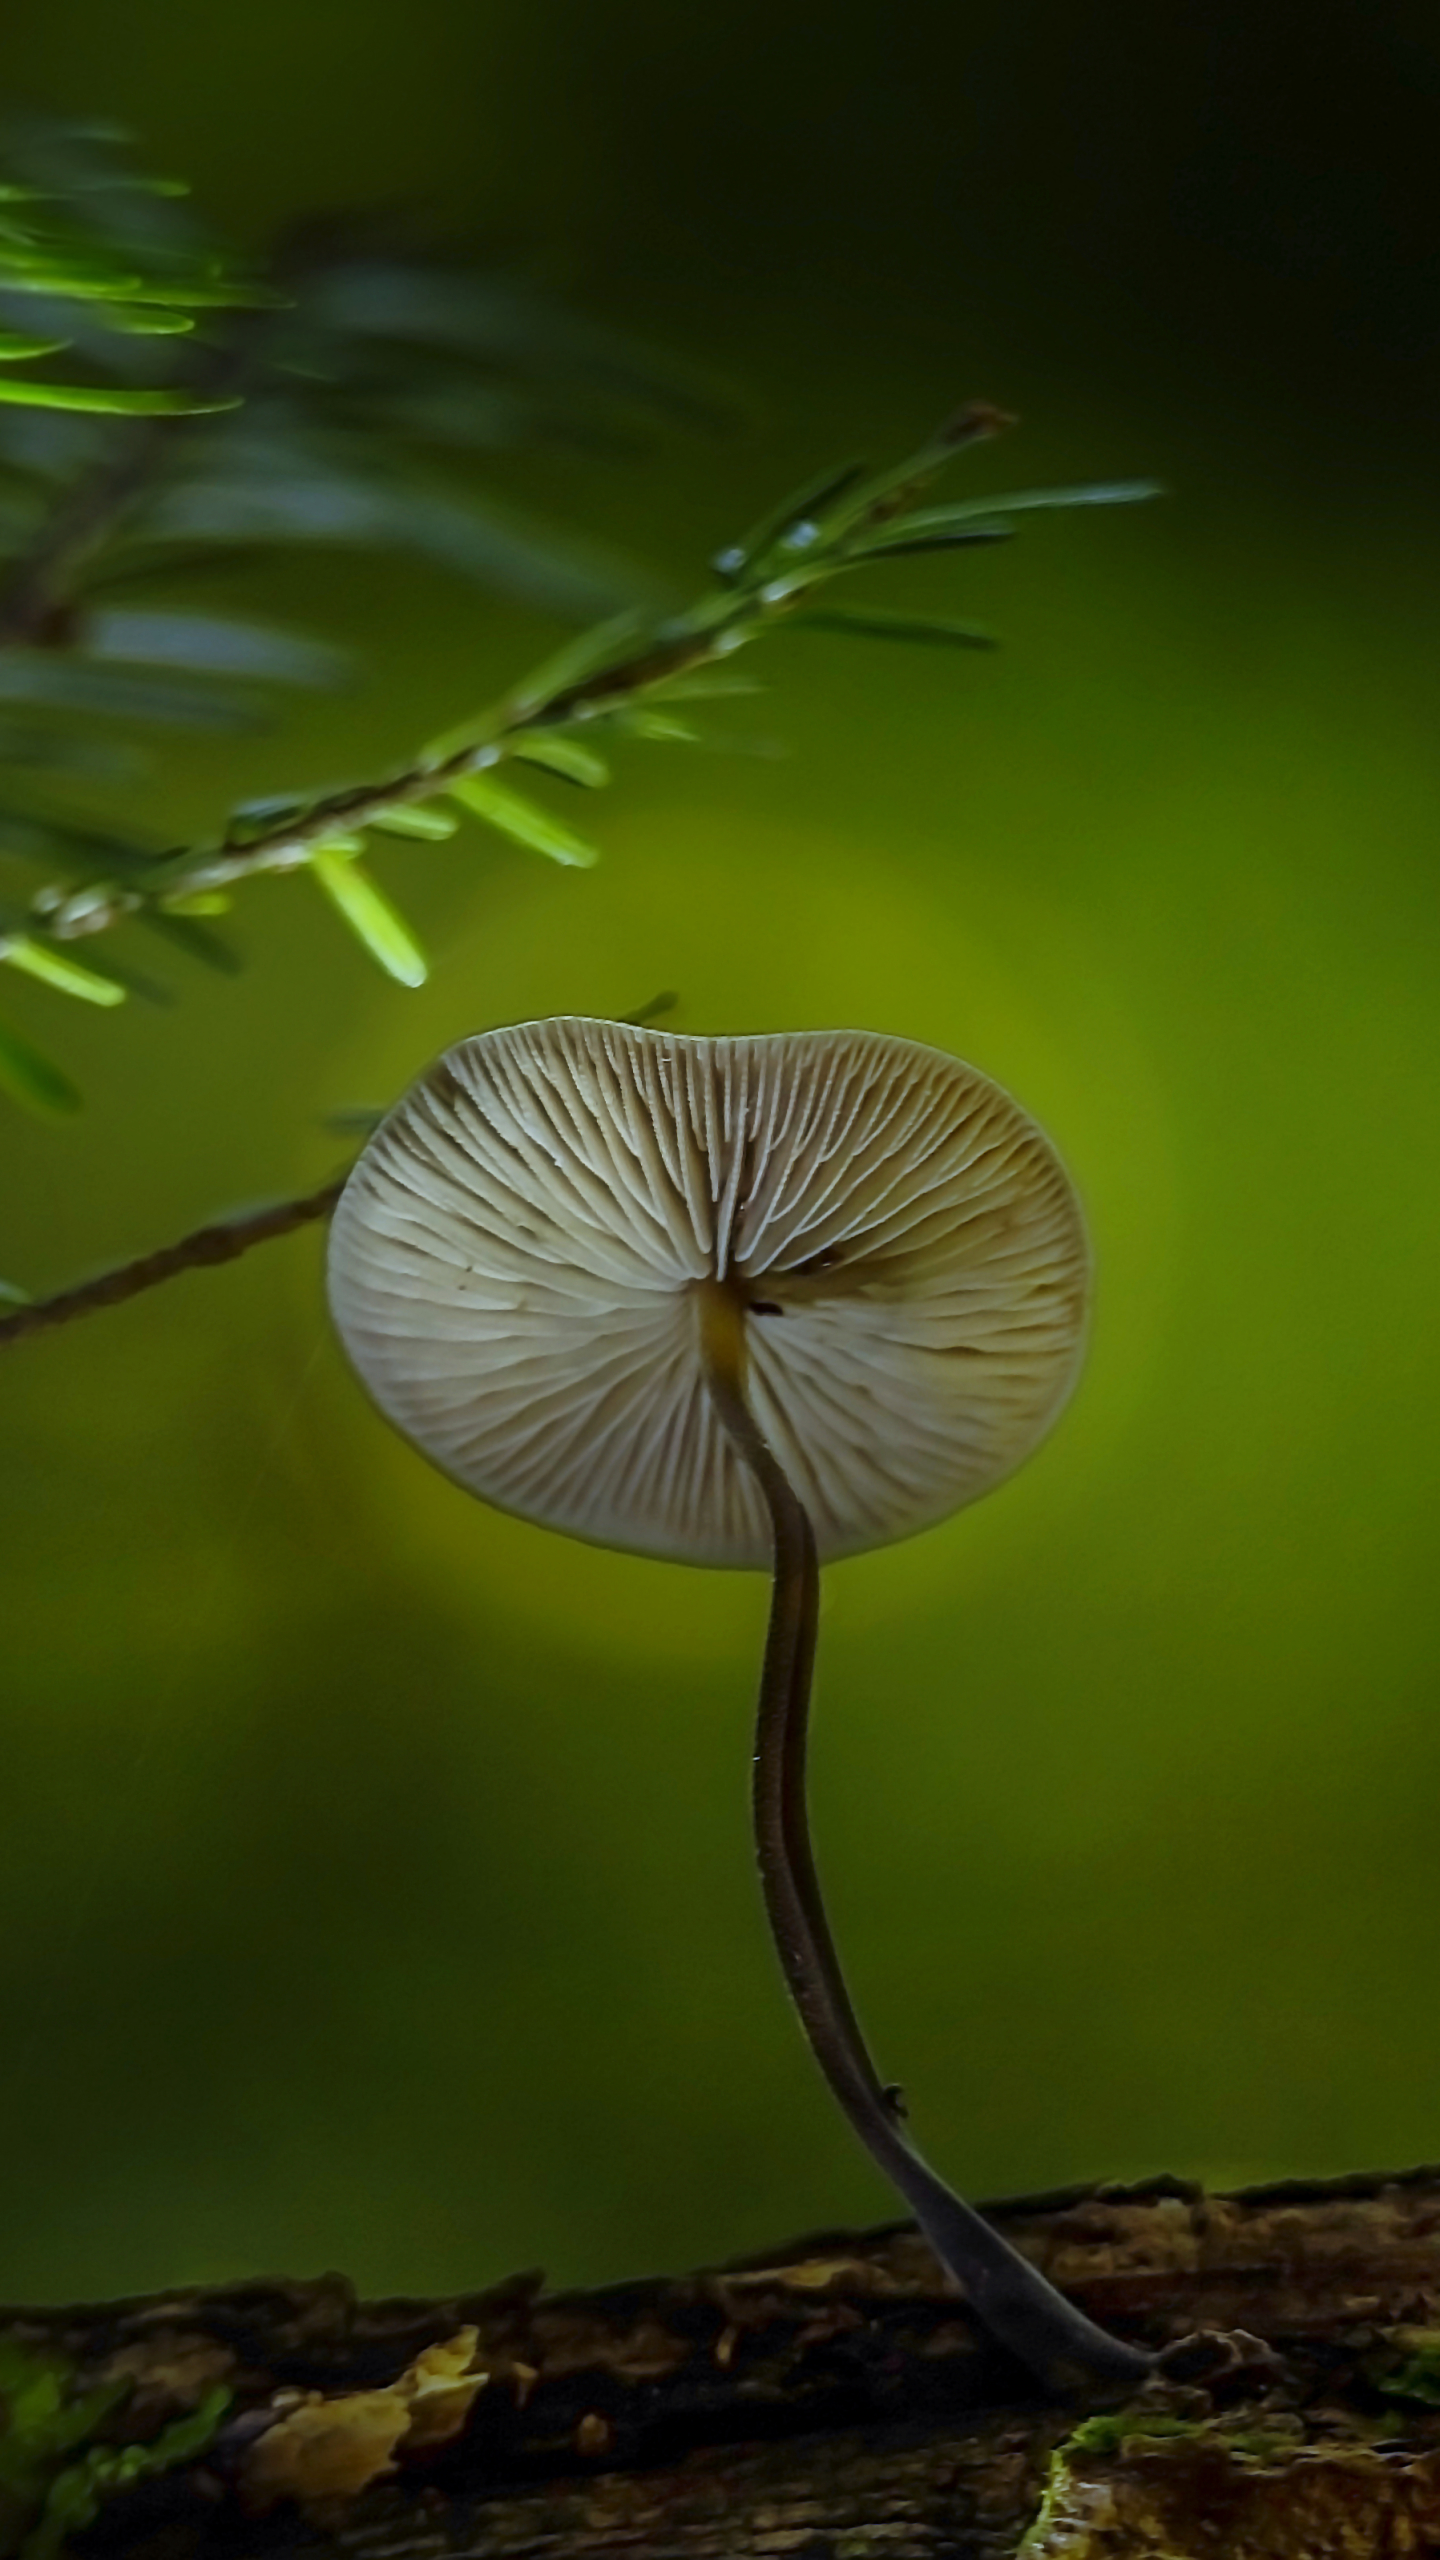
x: 223, y: 1241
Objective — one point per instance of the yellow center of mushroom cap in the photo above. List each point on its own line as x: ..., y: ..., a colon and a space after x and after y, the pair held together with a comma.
x: 721, y: 1307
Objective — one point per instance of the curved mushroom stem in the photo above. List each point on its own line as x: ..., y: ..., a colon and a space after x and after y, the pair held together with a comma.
x: 1015, y: 2302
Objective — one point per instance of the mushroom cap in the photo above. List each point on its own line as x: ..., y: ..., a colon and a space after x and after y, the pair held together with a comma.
x: 514, y: 1259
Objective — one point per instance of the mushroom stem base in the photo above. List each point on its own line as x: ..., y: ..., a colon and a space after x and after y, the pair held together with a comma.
x: 1017, y: 2304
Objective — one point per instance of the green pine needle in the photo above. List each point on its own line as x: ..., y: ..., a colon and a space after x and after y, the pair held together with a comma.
x: 56, y: 969
x: 425, y: 820
x: 105, y: 401
x: 368, y: 912
x: 522, y: 820
x: 563, y: 755
x: 15, y: 349
x: 877, y: 625
x: 662, y: 726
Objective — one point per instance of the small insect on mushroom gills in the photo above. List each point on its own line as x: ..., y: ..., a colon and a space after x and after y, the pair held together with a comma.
x: 1013, y: 2299
x: 757, y: 1303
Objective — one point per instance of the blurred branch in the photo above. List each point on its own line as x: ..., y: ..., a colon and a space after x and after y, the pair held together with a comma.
x: 35, y: 591
x: 39, y: 593
x: 833, y: 2397
x: 164, y: 413
x: 224, y: 1240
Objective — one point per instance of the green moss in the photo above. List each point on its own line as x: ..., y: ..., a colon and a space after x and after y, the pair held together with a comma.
x: 1409, y: 2368
x: 53, y: 2476
x: 1111, y: 2429
x: 1114, y: 2432
x: 1108, y: 2431
x: 1260, y: 2444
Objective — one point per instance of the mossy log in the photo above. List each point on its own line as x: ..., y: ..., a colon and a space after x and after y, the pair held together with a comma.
x: 829, y: 2401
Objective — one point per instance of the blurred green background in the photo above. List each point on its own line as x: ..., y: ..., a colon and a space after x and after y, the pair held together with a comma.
x: 374, y: 1878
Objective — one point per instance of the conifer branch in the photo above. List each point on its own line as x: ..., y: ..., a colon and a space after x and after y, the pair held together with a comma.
x: 603, y: 682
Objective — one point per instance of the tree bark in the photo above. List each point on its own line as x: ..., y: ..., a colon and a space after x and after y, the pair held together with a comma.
x: 831, y: 2401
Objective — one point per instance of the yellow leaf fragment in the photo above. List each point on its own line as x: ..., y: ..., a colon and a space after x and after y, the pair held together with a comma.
x: 327, y: 2451
x: 440, y: 2389
x: 807, y: 2275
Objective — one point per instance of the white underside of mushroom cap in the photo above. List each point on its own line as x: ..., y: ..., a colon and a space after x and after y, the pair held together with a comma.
x: 513, y: 1260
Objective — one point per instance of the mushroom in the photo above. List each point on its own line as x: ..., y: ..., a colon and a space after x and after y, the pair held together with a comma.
x: 760, y: 1301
